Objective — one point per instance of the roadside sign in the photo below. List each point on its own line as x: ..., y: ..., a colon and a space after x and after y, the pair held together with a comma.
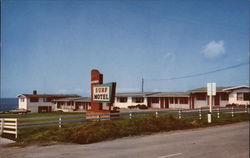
x: 104, y: 92
x: 211, y: 89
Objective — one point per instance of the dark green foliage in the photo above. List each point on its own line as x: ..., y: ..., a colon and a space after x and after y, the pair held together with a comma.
x: 143, y: 106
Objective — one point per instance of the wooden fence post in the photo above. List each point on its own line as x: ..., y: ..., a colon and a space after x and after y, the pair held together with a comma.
x: 60, y: 121
x: 218, y: 113
x: 200, y: 114
x: 16, y: 128
x: 179, y: 114
x: 2, y: 125
x: 232, y: 111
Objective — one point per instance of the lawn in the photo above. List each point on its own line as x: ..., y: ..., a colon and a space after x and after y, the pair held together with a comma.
x: 34, y: 115
x: 95, y: 131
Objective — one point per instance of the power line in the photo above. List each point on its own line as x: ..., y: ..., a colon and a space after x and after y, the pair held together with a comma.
x: 204, y: 73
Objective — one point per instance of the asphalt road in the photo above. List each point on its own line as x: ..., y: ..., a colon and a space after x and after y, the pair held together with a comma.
x: 229, y: 141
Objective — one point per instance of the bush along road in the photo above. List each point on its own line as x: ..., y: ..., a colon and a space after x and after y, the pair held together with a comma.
x: 96, y: 131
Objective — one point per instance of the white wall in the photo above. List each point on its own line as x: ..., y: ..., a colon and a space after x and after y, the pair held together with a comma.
x: 200, y: 103
x: 204, y: 103
x: 155, y: 105
x: 223, y: 103
x: 33, y: 106
x: 174, y: 106
x: 22, y: 105
x: 177, y: 106
x: 128, y: 103
x: 233, y: 96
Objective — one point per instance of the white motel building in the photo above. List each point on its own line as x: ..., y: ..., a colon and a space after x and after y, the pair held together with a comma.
x: 40, y: 102
x: 192, y: 99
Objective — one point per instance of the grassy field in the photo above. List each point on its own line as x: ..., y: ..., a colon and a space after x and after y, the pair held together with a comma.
x: 95, y: 131
x: 34, y: 115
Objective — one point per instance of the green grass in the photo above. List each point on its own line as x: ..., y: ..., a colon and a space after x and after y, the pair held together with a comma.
x: 33, y: 115
x: 96, y: 131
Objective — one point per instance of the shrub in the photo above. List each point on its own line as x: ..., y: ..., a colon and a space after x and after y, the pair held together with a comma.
x: 242, y: 106
x: 231, y: 105
x: 142, y: 106
x: 116, y: 108
x: 132, y: 107
x: 95, y: 131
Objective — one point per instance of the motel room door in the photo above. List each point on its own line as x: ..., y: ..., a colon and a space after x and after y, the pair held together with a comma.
x: 162, y: 102
x: 217, y: 100
x: 166, y: 103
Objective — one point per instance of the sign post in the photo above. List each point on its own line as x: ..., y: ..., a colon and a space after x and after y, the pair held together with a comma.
x: 211, y: 91
x: 102, y: 96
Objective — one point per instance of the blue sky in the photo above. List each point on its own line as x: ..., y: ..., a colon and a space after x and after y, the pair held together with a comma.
x: 52, y: 45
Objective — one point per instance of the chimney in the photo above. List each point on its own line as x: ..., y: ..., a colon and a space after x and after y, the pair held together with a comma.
x: 34, y: 92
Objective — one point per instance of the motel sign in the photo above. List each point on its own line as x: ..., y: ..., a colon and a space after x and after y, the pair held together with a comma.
x: 104, y: 92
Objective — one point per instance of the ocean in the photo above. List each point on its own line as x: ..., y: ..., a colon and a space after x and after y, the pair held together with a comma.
x: 8, y: 104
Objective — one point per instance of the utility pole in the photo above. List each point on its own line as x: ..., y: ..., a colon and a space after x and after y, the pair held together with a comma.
x: 142, y: 85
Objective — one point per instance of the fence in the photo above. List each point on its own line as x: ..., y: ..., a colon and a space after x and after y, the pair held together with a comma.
x: 8, y: 125
x: 15, y: 126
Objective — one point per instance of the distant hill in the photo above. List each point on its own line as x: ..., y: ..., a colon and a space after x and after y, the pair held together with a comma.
x: 8, y: 104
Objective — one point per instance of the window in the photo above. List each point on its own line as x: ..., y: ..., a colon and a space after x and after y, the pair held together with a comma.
x: 243, y: 96
x: 122, y: 99
x: 79, y: 103
x: 247, y: 96
x: 201, y: 96
x: 224, y: 96
x: 184, y: 100
x: 176, y: 100
x: 47, y: 99
x: 34, y: 99
x: 155, y: 100
x: 240, y: 96
x: 22, y: 100
x: 138, y: 100
x: 171, y: 100
x: 69, y: 103
x: 59, y: 104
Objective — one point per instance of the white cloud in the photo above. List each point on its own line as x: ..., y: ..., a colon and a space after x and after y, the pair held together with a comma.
x: 169, y: 57
x: 214, y: 49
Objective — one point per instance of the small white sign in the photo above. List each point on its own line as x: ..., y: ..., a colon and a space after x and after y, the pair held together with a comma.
x: 211, y: 89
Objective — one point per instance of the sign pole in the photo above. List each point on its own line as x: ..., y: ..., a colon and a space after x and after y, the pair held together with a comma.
x: 209, y: 117
x: 211, y: 91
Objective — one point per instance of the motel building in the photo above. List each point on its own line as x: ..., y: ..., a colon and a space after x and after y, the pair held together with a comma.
x: 40, y: 102
x: 239, y: 95
x: 72, y: 104
x: 169, y: 100
x: 192, y: 99
x: 199, y: 98
x: 123, y: 100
